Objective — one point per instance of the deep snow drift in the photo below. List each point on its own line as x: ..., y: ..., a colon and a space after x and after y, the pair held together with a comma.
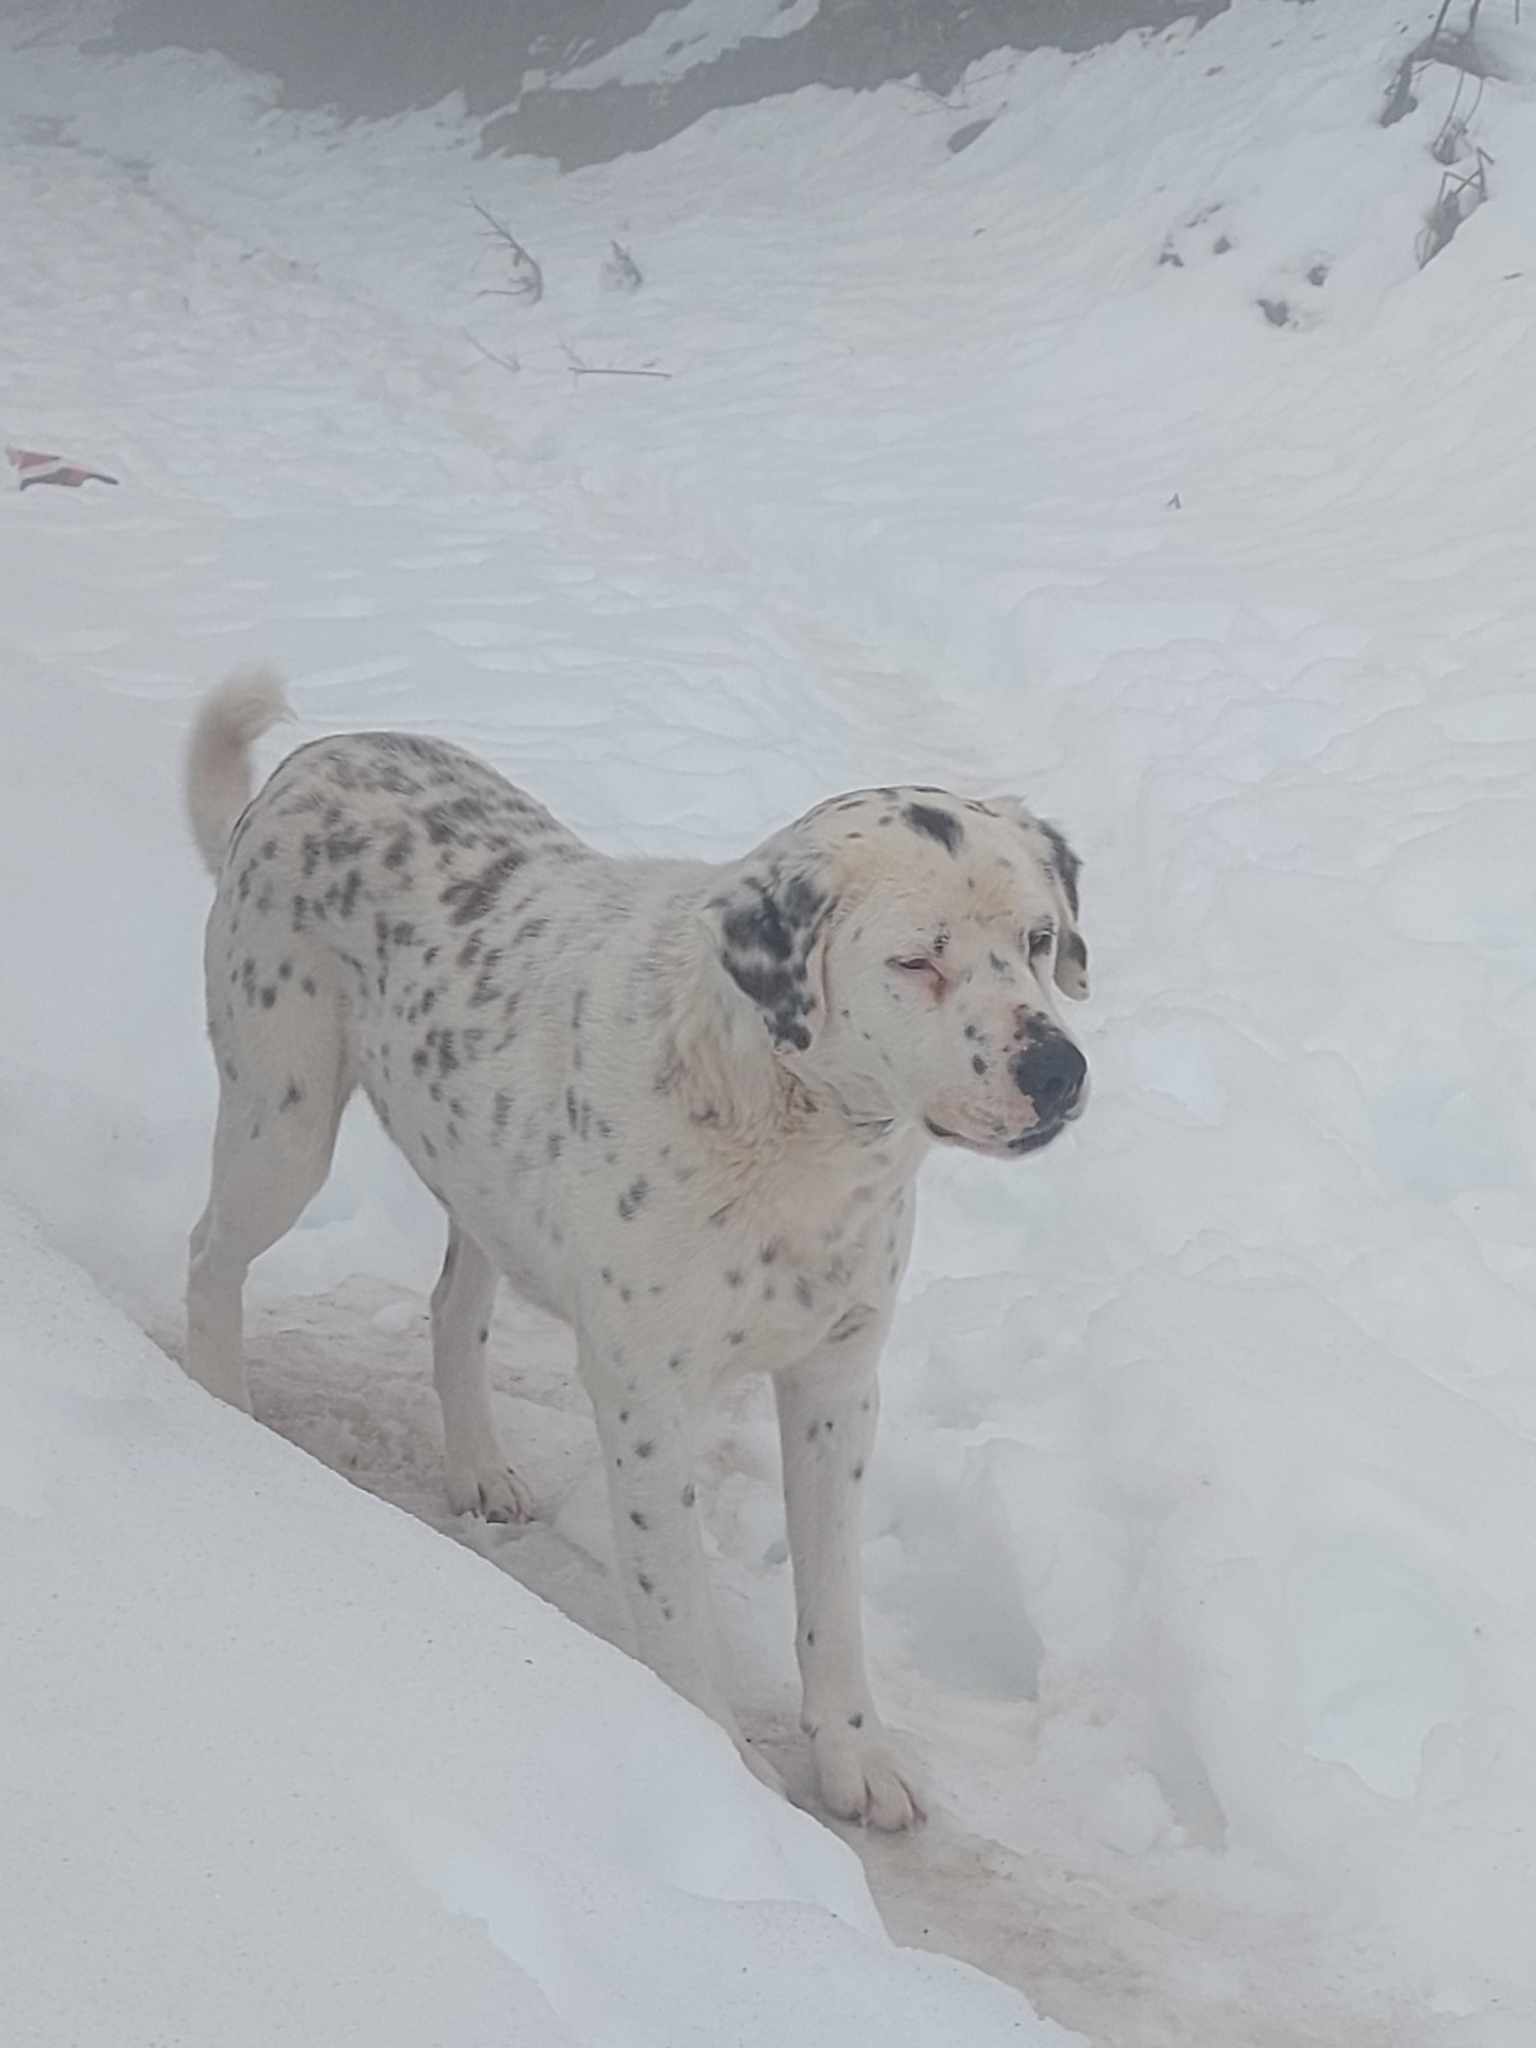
x: 1199, y: 1543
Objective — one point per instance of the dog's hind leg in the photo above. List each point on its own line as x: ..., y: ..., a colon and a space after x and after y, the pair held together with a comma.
x: 480, y: 1481
x: 282, y: 1091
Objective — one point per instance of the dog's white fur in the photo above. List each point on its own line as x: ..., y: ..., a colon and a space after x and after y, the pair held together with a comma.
x: 681, y: 1106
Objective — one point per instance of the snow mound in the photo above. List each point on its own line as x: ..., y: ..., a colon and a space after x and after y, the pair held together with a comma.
x: 280, y: 1766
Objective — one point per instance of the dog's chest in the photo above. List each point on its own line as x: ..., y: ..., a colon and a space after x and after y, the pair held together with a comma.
x: 769, y: 1282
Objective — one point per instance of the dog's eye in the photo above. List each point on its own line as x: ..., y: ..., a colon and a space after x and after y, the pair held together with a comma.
x: 919, y: 964
x: 1041, y: 942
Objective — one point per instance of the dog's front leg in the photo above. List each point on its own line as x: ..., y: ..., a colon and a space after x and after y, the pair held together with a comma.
x: 827, y: 1414
x: 648, y: 1459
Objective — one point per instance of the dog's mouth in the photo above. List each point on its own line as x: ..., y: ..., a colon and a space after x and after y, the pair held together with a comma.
x: 1033, y: 1140
x: 999, y: 1148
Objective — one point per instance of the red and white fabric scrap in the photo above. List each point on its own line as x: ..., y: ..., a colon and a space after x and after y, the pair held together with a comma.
x: 33, y: 467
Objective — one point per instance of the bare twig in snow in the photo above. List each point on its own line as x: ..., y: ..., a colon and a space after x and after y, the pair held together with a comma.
x: 583, y: 369
x: 1461, y: 194
x: 621, y: 273
x: 527, y: 277
x: 506, y: 362
x: 1454, y: 46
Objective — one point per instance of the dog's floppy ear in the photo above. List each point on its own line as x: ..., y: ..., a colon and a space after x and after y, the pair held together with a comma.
x: 770, y: 927
x: 1063, y: 867
x: 1071, y: 952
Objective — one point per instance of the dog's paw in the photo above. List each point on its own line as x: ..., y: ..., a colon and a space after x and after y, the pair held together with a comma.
x: 493, y: 1492
x: 860, y: 1778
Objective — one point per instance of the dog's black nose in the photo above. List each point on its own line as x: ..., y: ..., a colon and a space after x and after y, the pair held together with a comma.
x: 1051, y: 1074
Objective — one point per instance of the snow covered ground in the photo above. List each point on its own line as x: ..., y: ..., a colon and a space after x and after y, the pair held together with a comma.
x: 1199, y: 1543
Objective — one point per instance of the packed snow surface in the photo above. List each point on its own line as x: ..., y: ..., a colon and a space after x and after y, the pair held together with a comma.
x: 1128, y: 460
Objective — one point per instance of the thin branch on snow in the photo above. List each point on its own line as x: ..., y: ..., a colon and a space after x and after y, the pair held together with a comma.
x: 620, y: 271
x: 527, y: 276
x: 581, y: 369
x: 506, y: 362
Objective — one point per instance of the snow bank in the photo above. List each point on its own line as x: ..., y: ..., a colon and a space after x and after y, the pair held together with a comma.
x: 281, y: 1766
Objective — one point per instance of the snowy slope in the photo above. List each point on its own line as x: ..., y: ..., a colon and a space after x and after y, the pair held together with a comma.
x: 281, y: 1768
x: 1199, y: 1550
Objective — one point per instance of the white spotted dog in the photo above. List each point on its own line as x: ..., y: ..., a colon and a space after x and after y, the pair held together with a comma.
x: 682, y: 1106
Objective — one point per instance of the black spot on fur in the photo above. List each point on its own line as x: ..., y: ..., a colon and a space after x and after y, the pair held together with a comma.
x: 943, y: 826
x: 448, y: 823
x: 758, y: 926
x: 776, y: 995
x: 768, y: 931
x: 340, y: 846
x: 1066, y: 863
x: 633, y: 1197
x: 475, y: 898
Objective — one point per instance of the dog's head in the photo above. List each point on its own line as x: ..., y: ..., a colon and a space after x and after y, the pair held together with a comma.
x: 904, y: 948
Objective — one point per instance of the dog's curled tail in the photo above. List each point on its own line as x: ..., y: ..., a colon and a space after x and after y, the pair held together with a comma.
x: 218, y: 782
